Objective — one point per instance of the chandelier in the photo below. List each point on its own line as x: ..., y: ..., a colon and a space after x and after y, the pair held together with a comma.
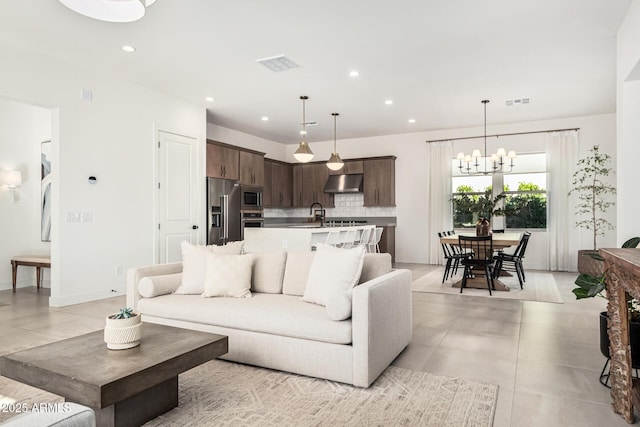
x: 471, y: 165
x: 110, y: 10
x: 303, y: 154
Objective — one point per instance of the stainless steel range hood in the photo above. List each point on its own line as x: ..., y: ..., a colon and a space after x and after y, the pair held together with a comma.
x: 351, y: 183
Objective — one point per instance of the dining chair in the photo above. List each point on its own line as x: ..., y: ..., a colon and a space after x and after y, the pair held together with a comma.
x: 479, y: 255
x: 349, y: 239
x: 364, y: 239
x: 514, y: 260
x: 451, y: 257
x: 333, y: 239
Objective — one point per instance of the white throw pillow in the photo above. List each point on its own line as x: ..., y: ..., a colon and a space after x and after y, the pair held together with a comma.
x: 268, y: 270
x: 296, y: 272
x: 194, y: 268
x: 194, y: 264
x: 333, y: 270
x: 228, y: 276
x: 339, y: 305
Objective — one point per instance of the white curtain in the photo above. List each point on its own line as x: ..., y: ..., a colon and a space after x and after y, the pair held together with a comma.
x: 439, y: 215
x: 562, y: 156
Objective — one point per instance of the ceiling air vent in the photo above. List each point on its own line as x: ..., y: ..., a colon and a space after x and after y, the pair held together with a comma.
x: 278, y: 63
x: 512, y: 102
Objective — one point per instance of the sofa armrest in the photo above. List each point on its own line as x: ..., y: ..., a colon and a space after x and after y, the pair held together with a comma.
x: 381, y: 322
x: 135, y: 274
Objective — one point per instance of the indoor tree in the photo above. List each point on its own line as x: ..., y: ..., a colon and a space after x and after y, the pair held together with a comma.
x: 593, y: 193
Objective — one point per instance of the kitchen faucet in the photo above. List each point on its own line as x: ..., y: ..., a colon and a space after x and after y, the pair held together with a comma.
x: 322, y: 212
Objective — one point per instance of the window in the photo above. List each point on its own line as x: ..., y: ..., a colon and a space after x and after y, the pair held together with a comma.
x: 523, y: 201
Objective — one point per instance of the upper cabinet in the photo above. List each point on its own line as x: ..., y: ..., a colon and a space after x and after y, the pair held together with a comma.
x: 350, y: 167
x: 222, y: 161
x: 252, y: 168
x: 380, y: 181
x: 314, y: 178
x: 278, y: 181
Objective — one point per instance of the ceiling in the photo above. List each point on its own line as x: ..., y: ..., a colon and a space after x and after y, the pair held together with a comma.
x: 435, y: 59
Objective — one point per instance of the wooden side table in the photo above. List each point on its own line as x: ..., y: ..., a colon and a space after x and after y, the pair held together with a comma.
x: 622, y: 271
x: 29, y: 261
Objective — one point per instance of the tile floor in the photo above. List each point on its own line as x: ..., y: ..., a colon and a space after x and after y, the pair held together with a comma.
x: 545, y: 357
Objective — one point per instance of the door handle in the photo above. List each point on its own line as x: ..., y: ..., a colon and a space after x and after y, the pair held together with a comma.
x: 194, y: 227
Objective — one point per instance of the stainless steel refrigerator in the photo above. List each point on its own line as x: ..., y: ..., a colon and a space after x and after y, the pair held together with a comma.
x: 223, y: 211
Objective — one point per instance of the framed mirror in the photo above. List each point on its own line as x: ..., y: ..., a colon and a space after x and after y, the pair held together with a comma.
x: 45, y: 191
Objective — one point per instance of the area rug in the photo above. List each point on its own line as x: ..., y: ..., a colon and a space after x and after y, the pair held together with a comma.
x: 229, y: 394
x: 221, y: 393
x: 540, y: 286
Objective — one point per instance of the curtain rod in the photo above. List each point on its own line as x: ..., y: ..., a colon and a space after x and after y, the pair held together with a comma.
x: 501, y: 134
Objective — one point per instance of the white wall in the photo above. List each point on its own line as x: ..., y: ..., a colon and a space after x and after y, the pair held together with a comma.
x: 23, y: 128
x: 112, y: 138
x: 628, y: 108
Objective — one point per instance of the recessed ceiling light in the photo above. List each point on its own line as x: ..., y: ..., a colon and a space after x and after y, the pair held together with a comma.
x: 388, y: 102
x: 128, y: 48
x: 412, y: 120
x: 354, y: 73
x: 209, y: 99
x: 264, y: 118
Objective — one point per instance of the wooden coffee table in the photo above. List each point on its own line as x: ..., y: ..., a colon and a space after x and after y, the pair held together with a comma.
x: 124, y: 387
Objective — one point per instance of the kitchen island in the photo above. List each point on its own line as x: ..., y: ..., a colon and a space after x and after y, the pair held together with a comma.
x: 294, y: 238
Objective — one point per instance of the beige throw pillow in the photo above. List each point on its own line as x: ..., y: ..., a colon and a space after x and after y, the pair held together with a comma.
x: 194, y: 264
x: 339, y: 305
x: 268, y: 270
x: 333, y: 270
x: 296, y: 272
x: 228, y: 276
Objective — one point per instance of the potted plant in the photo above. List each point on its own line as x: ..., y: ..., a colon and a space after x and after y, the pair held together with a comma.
x: 593, y: 202
x: 590, y: 286
x: 123, y: 330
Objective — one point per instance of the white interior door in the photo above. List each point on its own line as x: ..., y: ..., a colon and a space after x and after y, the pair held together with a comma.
x: 177, y: 194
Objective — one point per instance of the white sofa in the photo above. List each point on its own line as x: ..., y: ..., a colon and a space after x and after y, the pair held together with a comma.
x: 281, y: 331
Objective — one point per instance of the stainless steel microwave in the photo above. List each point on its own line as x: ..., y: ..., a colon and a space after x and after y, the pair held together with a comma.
x: 251, y: 197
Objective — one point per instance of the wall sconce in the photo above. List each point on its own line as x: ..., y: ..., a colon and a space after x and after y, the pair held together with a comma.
x: 12, y: 180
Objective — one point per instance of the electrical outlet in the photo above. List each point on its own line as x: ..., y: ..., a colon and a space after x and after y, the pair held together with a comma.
x: 73, y: 216
x: 119, y: 270
x: 87, y: 216
x: 285, y: 244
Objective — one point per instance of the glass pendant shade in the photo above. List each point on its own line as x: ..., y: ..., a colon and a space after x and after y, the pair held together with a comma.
x: 335, y: 162
x: 109, y: 10
x: 303, y: 154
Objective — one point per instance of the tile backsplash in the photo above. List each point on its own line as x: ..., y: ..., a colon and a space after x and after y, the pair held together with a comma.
x: 346, y: 205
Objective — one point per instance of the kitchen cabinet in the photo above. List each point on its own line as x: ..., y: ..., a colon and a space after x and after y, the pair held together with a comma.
x: 350, y: 167
x: 251, y: 168
x: 222, y: 161
x: 379, y: 181
x: 309, y: 180
x: 277, y: 184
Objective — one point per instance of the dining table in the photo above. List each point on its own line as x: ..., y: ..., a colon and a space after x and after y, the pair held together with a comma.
x: 500, y: 241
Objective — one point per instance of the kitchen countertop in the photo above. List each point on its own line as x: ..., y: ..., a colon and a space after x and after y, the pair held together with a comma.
x: 302, y: 222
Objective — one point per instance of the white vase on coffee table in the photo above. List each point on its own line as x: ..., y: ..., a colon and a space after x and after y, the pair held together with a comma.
x: 121, y: 334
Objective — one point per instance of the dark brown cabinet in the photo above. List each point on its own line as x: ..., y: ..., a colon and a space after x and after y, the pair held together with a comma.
x: 251, y: 168
x: 380, y: 182
x: 222, y: 161
x: 309, y: 180
x: 350, y: 167
x: 277, y: 184
x: 388, y: 241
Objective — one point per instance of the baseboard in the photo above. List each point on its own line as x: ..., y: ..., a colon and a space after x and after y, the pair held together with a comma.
x: 81, y: 298
x: 22, y: 284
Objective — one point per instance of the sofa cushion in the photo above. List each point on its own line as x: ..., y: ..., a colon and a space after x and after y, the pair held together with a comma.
x: 333, y: 270
x: 375, y: 265
x: 276, y: 314
x: 339, y: 305
x: 296, y: 272
x: 268, y: 271
x: 228, y: 276
x: 153, y: 286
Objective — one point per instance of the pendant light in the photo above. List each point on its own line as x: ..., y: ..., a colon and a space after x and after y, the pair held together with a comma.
x: 303, y: 154
x: 335, y: 162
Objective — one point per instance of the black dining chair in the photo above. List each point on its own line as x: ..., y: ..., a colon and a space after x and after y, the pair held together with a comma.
x: 514, y: 260
x: 451, y: 256
x: 479, y: 252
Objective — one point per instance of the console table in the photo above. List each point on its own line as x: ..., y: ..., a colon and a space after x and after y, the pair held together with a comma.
x: 622, y: 271
x: 30, y: 261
